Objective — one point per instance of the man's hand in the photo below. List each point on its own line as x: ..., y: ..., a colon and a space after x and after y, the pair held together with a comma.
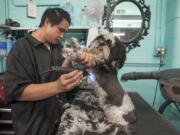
x: 86, y: 58
x: 67, y: 82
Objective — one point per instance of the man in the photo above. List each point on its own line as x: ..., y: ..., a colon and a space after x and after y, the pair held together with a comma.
x: 35, y: 107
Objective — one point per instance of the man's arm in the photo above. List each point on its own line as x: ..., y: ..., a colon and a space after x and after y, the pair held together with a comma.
x: 65, y: 82
x: 85, y: 58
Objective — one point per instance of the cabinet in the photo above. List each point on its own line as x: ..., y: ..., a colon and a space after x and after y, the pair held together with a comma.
x: 5, y: 120
x: 6, y: 126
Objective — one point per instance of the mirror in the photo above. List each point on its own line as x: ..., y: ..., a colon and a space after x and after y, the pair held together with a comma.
x: 128, y: 19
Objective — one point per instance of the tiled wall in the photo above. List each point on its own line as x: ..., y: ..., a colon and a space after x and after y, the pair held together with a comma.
x: 2, y: 11
x: 172, y: 39
x: 172, y: 43
x: 2, y: 19
x: 21, y: 12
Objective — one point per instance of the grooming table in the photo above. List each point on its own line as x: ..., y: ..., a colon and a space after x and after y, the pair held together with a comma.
x: 150, y: 122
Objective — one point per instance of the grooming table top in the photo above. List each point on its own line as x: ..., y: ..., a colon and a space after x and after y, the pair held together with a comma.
x: 150, y: 122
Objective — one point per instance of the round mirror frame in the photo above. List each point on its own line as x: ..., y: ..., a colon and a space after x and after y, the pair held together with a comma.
x: 146, y: 16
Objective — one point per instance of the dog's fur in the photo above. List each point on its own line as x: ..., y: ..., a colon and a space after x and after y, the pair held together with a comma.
x: 106, y: 109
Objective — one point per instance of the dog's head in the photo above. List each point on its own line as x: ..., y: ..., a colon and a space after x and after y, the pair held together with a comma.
x: 109, y: 53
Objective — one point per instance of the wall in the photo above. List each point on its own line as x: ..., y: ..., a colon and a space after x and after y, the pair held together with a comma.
x: 21, y: 12
x: 172, y: 40
x: 2, y: 11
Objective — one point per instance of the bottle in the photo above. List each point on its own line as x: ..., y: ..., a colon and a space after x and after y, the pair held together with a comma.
x: 9, y: 42
x: 84, y: 16
x: 70, y: 9
x: 3, y: 46
x: 82, y: 42
x: 2, y: 51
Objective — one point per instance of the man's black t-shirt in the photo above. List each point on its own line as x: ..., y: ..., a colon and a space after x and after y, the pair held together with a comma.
x: 26, y: 61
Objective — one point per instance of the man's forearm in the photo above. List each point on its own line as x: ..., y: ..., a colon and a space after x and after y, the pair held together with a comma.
x: 35, y: 92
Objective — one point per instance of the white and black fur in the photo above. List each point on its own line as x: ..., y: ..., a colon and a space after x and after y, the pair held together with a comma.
x: 106, y: 109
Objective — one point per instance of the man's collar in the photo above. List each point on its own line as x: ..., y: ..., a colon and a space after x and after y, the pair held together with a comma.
x: 33, y: 40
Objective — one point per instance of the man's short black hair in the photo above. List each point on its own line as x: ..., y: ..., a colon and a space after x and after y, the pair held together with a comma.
x: 55, y: 16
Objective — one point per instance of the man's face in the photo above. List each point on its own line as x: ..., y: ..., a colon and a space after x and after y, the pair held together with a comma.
x: 56, y: 32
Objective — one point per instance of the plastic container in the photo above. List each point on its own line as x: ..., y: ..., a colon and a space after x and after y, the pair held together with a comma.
x: 10, y: 42
x: 3, y: 47
x: 84, y: 16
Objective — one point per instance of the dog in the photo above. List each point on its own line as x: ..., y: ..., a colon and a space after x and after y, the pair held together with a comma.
x: 105, y: 108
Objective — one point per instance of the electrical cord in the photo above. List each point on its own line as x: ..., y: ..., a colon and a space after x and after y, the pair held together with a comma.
x: 157, y: 83
x: 161, y: 63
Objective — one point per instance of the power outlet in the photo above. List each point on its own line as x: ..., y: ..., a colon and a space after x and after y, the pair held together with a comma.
x: 160, y: 51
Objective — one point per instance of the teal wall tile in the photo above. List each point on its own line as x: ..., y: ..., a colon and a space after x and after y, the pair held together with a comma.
x: 21, y: 12
x: 172, y: 58
x: 172, y: 39
x: 2, y: 11
x: 20, y: 3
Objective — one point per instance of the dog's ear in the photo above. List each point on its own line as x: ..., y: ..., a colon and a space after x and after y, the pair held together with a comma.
x: 118, y: 54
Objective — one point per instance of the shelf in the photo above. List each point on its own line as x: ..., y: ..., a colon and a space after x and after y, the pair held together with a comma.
x: 5, y: 110
x: 6, y: 122
x: 7, y: 132
x: 6, y: 27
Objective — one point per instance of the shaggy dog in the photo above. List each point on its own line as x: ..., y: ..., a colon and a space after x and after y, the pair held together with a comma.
x: 104, y: 108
